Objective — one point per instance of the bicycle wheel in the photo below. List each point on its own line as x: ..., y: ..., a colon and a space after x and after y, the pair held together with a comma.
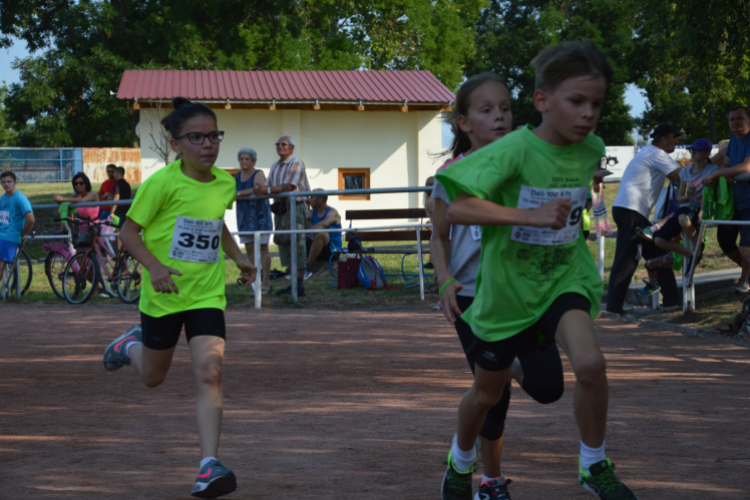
x: 110, y: 286
x: 80, y: 279
x: 10, y: 280
x: 54, y: 267
x: 129, y: 284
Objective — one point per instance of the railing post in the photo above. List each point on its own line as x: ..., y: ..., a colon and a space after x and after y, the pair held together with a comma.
x: 600, y: 260
x: 18, y: 274
x: 293, y: 247
x: 419, y: 259
x: 256, y: 246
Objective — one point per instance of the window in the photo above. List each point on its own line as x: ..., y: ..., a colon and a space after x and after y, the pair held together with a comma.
x: 354, y: 178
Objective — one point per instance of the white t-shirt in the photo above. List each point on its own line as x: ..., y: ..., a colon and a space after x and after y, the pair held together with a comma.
x: 643, y: 180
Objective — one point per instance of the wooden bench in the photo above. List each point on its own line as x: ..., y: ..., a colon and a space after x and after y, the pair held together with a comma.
x: 404, y: 235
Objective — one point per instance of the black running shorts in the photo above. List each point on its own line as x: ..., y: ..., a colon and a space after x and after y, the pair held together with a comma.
x: 497, y: 356
x: 163, y: 333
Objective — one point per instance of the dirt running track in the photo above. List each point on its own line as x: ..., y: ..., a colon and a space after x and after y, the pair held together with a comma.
x: 360, y: 405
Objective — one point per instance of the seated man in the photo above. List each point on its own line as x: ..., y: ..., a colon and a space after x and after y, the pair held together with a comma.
x: 318, y: 244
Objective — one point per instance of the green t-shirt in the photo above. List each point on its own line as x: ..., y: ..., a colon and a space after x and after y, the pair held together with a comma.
x: 522, y: 270
x: 182, y: 221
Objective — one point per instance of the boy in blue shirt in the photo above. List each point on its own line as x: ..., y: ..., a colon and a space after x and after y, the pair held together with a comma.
x: 537, y: 282
x: 16, y: 219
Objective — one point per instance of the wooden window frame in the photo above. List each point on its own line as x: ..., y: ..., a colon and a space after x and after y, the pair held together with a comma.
x: 354, y: 171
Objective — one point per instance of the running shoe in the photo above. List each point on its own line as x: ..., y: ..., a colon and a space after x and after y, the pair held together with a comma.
x: 645, y: 232
x: 308, y: 273
x: 602, y: 482
x: 493, y: 490
x: 457, y: 485
x: 115, y: 355
x: 650, y: 288
x: 742, y: 286
x: 214, y: 480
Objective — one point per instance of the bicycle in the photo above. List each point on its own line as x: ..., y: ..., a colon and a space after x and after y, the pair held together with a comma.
x: 118, y: 273
x: 14, y: 273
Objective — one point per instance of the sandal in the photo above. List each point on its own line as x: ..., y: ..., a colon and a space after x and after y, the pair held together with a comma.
x: 266, y: 290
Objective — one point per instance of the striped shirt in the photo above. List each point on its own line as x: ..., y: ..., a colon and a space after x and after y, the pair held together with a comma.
x: 289, y: 171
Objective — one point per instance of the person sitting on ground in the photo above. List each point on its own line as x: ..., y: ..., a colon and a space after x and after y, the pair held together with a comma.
x: 687, y: 218
x: 322, y: 217
x: 16, y: 219
x: 107, y: 189
x: 254, y: 215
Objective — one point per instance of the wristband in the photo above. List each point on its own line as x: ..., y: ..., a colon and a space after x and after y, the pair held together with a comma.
x: 442, y: 288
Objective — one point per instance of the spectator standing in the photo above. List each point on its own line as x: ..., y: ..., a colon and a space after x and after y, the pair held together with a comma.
x: 322, y: 217
x: 254, y: 215
x: 288, y: 174
x: 16, y: 219
x: 639, y: 191
x: 121, y: 192
x: 737, y: 161
x: 106, y: 191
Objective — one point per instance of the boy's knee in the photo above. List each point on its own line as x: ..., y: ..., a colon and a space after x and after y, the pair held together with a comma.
x: 684, y: 220
x: 660, y: 242
x: 486, y: 399
x: 152, y: 380
x: 591, y: 368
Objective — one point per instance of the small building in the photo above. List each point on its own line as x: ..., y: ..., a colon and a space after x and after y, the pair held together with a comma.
x: 373, y: 129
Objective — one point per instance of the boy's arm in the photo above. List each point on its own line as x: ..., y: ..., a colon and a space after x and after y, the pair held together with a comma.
x: 28, y: 224
x: 468, y: 210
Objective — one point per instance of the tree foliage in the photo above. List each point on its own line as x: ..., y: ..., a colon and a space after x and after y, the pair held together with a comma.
x: 698, y: 63
x: 511, y: 33
x: 64, y: 95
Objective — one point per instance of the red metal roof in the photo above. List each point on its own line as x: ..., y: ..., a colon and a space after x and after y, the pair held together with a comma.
x: 373, y: 86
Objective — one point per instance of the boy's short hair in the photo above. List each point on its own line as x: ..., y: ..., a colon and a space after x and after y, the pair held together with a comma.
x: 10, y: 174
x: 120, y: 170
x: 566, y: 60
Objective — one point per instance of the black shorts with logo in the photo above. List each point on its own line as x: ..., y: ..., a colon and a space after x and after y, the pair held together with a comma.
x: 163, y: 333
x: 497, y: 356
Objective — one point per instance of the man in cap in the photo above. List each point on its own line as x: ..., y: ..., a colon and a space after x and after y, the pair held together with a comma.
x: 639, y: 191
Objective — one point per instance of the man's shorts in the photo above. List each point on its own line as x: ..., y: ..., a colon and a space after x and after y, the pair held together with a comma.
x: 672, y: 227
x: 743, y: 214
x: 250, y: 238
x: 163, y: 333
x: 8, y: 251
x: 497, y: 356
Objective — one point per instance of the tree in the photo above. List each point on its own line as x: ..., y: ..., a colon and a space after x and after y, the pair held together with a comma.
x: 511, y: 33
x: 8, y: 136
x: 64, y: 95
x: 698, y: 63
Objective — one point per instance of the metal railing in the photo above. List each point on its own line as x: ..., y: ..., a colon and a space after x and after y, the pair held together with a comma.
x: 42, y: 164
x: 293, y: 195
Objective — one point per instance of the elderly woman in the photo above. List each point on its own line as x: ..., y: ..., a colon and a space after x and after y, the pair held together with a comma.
x: 253, y: 215
x: 83, y: 193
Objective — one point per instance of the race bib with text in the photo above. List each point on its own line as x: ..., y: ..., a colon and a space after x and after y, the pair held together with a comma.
x: 4, y: 217
x: 196, y: 240
x: 531, y: 197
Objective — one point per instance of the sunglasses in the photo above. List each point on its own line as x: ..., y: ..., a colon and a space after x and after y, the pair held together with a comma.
x: 282, y: 144
x: 80, y: 183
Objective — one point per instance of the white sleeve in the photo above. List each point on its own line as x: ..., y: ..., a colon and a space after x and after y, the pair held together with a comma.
x: 664, y: 163
x: 438, y: 192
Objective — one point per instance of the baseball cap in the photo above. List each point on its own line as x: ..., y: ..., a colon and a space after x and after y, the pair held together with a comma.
x: 701, y: 144
x: 665, y: 129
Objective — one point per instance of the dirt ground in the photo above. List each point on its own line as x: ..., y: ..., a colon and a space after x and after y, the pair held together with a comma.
x: 350, y: 405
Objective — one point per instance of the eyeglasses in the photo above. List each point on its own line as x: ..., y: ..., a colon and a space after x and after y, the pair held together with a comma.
x: 283, y: 144
x: 80, y: 183
x: 199, y: 138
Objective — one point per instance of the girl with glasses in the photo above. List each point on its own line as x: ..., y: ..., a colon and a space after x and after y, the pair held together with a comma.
x: 180, y: 210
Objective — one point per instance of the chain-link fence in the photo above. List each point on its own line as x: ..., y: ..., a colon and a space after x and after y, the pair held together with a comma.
x: 42, y: 164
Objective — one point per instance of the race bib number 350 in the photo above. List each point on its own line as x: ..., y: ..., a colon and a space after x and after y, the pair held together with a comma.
x: 531, y: 197
x: 196, y: 240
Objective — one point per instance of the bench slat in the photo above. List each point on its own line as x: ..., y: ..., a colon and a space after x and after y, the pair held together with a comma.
x: 405, y: 235
x: 389, y: 213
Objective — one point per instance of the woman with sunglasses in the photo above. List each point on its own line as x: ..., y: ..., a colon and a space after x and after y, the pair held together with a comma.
x: 83, y: 193
x: 180, y: 210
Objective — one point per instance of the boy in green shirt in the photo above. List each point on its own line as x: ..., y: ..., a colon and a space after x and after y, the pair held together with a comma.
x: 537, y: 281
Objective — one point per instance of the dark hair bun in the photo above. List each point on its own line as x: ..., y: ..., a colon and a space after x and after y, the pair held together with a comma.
x: 178, y: 102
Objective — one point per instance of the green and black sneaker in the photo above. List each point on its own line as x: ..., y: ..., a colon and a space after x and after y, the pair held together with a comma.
x: 457, y: 485
x: 602, y: 482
